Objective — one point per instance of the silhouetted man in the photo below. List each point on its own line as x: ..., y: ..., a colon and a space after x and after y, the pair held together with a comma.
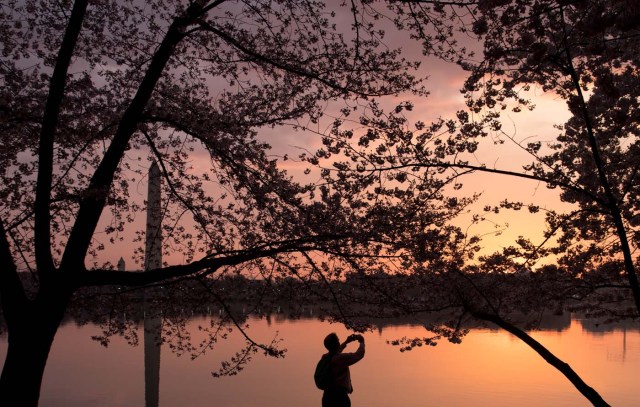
x: 337, y: 394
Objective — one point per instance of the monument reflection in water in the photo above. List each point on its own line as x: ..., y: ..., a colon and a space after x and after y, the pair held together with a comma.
x: 153, y: 260
x: 152, y: 339
x: 152, y: 346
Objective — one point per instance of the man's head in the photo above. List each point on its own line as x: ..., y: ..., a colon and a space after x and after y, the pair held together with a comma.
x: 332, y: 343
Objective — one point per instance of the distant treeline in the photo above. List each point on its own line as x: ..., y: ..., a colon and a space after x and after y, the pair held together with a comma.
x: 364, y: 300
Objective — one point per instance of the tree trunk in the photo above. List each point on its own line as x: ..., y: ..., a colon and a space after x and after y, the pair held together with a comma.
x: 29, y: 343
x: 587, y: 391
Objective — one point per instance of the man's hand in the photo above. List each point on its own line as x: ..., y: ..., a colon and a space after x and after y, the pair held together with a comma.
x: 355, y: 337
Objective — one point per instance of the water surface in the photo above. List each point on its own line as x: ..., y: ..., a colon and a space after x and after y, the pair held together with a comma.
x: 489, y: 368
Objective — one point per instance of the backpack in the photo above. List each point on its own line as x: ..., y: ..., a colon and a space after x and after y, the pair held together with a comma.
x: 322, y: 376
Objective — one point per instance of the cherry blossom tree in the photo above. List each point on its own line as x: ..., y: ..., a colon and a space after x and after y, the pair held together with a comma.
x: 585, y: 52
x: 92, y: 91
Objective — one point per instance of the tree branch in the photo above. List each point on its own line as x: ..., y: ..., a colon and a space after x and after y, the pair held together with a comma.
x: 444, y: 3
x: 336, y: 301
x: 280, y: 64
x: 501, y: 172
x: 549, y: 357
x: 42, y: 229
x: 268, y: 349
x: 94, y: 201
x: 197, y: 217
x: 127, y: 278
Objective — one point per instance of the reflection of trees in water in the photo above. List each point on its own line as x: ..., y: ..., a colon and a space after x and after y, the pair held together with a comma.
x: 165, y: 315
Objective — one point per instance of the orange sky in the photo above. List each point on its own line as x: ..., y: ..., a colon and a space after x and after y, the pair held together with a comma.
x: 445, y: 99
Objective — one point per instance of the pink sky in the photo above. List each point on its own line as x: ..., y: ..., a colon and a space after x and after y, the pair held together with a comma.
x: 445, y: 99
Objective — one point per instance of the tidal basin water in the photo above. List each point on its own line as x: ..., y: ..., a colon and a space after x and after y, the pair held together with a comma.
x: 489, y: 368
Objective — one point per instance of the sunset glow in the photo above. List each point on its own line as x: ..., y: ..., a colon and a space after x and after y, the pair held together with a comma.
x: 207, y: 202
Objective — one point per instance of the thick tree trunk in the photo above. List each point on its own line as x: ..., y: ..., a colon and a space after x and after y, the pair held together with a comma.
x: 29, y: 341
